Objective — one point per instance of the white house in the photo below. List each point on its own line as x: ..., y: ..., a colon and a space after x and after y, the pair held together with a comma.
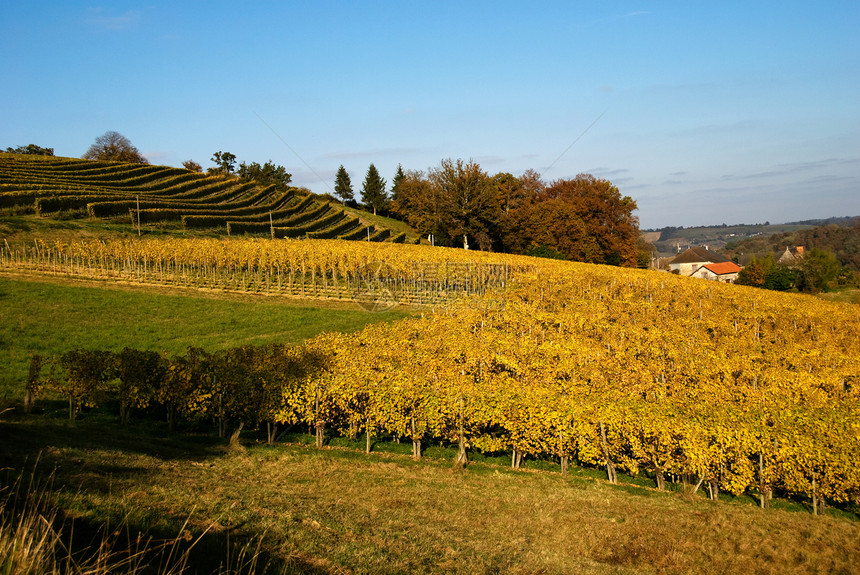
x: 688, y: 262
x: 726, y: 272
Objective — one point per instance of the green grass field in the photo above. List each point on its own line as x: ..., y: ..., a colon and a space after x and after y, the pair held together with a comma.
x: 45, y: 316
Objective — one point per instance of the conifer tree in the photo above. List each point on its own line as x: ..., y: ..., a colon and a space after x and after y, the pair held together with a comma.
x: 396, y: 183
x: 373, y: 191
x: 343, y: 185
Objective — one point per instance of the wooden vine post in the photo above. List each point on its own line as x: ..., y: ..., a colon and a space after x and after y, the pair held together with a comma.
x: 319, y: 424
x: 610, y: 466
x: 462, y: 457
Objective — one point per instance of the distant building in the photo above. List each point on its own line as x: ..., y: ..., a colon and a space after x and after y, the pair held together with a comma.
x: 726, y: 272
x: 790, y: 259
x: 689, y: 261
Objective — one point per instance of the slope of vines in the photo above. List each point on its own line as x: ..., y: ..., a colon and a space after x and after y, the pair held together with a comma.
x: 733, y: 388
x: 136, y: 194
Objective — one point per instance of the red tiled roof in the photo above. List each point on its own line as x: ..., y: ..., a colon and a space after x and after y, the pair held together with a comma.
x: 723, y: 268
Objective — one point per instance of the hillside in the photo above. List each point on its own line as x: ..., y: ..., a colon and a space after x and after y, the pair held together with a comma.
x: 842, y: 240
x: 672, y: 240
x: 646, y: 408
x: 162, y: 198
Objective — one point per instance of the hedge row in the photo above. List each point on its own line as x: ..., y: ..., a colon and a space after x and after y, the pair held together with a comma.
x: 13, y: 199
x: 305, y: 215
x: 334, y: 231
x: 277, y: 216
x: 50, y: 204
x: 262, y: 225
x: 381, y: 235
x: 362, y: 233
x: 179, y: 208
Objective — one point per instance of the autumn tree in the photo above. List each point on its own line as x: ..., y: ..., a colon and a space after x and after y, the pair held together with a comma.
x: 373, y: 191
x: 343, y: 185
x: 421, y: 205
x: 607, y: 214
x: 31, y: 149
x: 754, y: 273
x: 469, y: 199
x: 585, y: 218
x: 514, y: 194
x: 819, y: 270
x: 558, y: 225
x: 192, y: 166
x: 268, y: 174
x: 114, y: 147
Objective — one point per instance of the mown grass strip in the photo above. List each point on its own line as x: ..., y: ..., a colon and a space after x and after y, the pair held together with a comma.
x: 337, y: 510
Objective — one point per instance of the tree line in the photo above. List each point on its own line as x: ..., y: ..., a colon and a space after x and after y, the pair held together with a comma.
x: 459, y: 204
x: 30, y: 149
x: 842, y: 241
x: 811, y: 271
x: 244, y: 386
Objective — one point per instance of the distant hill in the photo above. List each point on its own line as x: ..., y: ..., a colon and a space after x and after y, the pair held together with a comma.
x: 166, y: 197
x: 844, y: 221
x: 842, y: 238
x: 672, y: 240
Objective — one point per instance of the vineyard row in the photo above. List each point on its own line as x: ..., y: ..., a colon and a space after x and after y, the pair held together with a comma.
x: 306, y: 277
x: 757, y: 448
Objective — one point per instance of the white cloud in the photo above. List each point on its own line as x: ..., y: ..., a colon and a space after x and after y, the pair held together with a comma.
x: 795, y: 168
x: 489, y: 160
x: 99, y: 17
x: 607, y: 172
x: 157, y: 157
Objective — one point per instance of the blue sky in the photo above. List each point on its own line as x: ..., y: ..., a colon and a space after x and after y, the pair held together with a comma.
x: 702, y: 112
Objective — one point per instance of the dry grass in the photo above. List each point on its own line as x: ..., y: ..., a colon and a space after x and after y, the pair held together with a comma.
x: 37, y: 538
x: 337, y: 511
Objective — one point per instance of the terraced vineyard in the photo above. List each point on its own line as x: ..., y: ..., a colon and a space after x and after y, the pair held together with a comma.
x: 155, y: 195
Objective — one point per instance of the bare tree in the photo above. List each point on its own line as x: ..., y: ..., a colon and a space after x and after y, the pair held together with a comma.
x: 114, y: 147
